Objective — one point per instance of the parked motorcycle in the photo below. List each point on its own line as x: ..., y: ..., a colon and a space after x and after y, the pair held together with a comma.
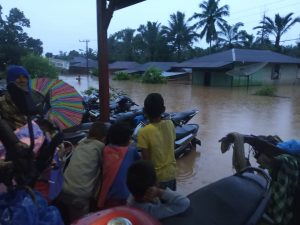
x: 121, y: 104
x: 282, y: 160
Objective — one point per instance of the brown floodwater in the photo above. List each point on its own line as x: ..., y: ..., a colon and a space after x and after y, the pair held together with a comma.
x: 221, y: 111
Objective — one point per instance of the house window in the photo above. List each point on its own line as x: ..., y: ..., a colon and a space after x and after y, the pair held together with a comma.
x: 275, y: 75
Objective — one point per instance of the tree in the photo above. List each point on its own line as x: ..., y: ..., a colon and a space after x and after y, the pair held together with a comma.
x: 278, y: 27
x: 211, y: 15
x: 230, y: 36
x: 49, y: 55
x: 152, y: 41
x: 122, y: 45
x: 73, y: 54
x: 14, y: 42
x: 179, y: 34
x: 38, y: 66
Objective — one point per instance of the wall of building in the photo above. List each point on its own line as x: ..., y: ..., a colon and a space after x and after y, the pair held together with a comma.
x: 289, y: 74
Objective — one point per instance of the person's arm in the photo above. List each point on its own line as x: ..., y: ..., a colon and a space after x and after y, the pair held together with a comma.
x: 142, y: 145
x: 145, y: 154
x: 172, y: 203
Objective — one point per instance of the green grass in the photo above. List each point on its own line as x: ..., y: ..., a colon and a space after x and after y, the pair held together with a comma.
x: 266, y: 91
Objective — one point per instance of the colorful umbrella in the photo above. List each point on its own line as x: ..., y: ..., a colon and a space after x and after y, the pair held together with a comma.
x: 66, y: 109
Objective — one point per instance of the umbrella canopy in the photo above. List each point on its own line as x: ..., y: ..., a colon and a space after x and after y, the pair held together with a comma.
x: 66, y: 109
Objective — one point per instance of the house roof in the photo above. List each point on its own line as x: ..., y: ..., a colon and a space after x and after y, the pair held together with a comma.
x: 81, y: 62
x: 224, y: 58
x: 164, y: 66
x: 121, y: 65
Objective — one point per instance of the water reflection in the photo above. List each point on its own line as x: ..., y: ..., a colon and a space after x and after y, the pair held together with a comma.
x: 222, y: 110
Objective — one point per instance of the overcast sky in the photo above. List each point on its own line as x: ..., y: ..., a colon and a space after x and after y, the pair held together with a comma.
x: 60, y: 24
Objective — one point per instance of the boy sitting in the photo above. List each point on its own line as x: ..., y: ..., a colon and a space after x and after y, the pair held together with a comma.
x: 158, y: 202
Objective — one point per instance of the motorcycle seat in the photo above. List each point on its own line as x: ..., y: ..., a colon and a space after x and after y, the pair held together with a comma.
x: 184, y: 130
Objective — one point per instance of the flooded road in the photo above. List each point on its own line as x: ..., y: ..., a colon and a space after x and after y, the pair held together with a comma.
x: 222, y: 110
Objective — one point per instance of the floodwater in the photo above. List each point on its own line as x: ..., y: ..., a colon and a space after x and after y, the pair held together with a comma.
x: 221, y: 111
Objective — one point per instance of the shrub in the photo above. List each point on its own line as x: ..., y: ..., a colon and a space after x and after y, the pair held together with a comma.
x: 266, y: 91
x: 38, y: 66
x: 121, y: 76
x: 153, y: 75
x: 114, y: 93
x: 90, y: 90
x: 95, y: 72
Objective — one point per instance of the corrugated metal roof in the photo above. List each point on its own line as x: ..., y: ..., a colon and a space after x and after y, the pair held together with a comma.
x: 123, y: 65
x: 221, y: 59
x: 81, y: 62
x: 172, y: 74
x: 199, y: 64
x: 163, y: 66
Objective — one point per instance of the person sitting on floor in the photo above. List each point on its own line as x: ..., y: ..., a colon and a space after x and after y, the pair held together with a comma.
x: 82, y: 175
x: 146, y: 195
x: 118, y: 155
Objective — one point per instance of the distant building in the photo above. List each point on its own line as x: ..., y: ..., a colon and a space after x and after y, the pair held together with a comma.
x: 79, y: 65
x: 121, y: 66
x: 59, y: 63
x: 242, y: 67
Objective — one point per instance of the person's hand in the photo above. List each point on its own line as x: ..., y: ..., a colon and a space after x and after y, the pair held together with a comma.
x: 264, y: 161
x: 152, y: 193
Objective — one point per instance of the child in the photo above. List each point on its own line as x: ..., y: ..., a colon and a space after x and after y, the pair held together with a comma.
x: 156, y: 141
x: 159, y: 203
x: 118, y: 155
x: 81, y: 177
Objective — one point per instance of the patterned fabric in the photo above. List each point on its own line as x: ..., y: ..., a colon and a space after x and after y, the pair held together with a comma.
x: 23, y: 135
x: 10, y: 113
x: 285, y: 181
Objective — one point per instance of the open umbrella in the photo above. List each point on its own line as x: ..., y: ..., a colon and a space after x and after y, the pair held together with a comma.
x: 66, y: 109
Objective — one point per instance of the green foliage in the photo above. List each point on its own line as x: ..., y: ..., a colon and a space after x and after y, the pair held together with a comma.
x: 38, y: 66
x: 266, y: 91
x: 114, y: 93
x: 95, y: 72
x: 121, y: 76
x: 90, y: 90
x: 14, y: 41
x: 153, y: 75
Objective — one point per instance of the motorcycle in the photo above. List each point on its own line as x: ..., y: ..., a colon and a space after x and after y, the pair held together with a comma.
x: 121, y: 104
x: 281, y: 160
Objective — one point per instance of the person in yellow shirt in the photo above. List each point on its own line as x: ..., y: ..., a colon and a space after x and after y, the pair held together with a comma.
x: 156, y: 141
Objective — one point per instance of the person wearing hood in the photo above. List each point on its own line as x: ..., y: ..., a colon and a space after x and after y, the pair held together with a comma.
x: 8, y: 110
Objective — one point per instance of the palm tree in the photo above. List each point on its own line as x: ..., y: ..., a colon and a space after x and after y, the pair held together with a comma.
x: 278, y: 27
x: 210, y: 16
x: 152, y: 40
x: 179, y: 34
x: 125, y: 38
x: 230, y: 36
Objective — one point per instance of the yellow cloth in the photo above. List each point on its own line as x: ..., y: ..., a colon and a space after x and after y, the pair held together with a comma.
x: 158, y: 139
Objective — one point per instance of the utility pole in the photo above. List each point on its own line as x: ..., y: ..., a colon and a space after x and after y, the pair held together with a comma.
x: 86, y: 50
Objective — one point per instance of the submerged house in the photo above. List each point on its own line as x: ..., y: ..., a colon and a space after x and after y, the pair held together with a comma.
x: 243, y: 67
x: 120, y: 66
x: 79, y: 65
